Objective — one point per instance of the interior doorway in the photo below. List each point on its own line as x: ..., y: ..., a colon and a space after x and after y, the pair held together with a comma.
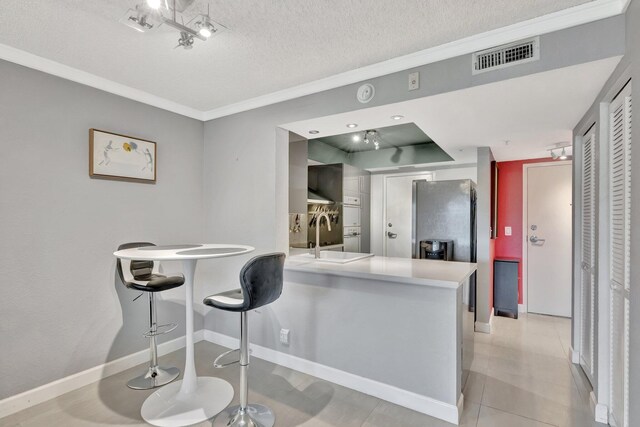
x: 547, y: 240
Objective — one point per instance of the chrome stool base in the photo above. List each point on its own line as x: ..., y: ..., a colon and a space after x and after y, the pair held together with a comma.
x: 149, y: 380
x: 254, y: 416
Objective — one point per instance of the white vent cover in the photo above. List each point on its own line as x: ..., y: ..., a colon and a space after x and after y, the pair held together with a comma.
x: 506, y: 55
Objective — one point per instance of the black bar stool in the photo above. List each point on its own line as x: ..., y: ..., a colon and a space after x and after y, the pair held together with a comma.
x: 260, y: 284
x: 140, y: 275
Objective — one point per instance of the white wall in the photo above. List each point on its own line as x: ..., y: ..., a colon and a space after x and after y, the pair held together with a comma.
x: 378, y: 228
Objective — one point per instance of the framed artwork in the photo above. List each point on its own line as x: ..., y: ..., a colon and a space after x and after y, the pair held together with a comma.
x: 121, y: 157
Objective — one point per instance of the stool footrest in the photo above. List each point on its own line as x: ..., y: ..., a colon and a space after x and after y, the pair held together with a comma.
x: 217, y: 364
x: 160, y: 330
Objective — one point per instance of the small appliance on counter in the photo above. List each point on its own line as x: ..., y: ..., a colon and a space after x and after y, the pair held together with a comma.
x: 436, y: 249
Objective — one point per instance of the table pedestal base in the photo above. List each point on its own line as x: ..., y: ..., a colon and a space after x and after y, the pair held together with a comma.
x: 168, y: 408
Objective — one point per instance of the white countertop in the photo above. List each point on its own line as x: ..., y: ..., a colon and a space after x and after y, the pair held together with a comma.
x: 444, y: 274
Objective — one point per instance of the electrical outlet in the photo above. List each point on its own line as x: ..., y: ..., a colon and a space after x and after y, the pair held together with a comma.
x: 507, y: 231
x: 284, y: 336
x: 414, y: 81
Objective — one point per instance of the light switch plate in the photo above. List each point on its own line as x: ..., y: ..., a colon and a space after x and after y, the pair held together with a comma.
x: 414, y: 81
x: 507, y: 231
x: 284, y: 336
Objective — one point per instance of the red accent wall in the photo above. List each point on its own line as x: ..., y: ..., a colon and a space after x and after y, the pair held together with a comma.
x: 510, y: 213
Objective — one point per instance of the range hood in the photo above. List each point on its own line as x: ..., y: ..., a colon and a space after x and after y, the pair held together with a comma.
x: 315, y: 198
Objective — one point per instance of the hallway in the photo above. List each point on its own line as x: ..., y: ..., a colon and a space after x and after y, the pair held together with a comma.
x: 522, y: 375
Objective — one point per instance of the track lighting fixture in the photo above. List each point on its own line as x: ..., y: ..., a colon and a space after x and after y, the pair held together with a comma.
x: 152, y: 13
x: 560, y: 147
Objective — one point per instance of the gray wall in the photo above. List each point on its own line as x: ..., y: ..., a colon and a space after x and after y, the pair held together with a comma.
x: 62, y: 309
x: 246, y: 154
x: 631, y: 61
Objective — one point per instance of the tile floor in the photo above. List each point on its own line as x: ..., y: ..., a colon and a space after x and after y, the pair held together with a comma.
x: 521, y: 377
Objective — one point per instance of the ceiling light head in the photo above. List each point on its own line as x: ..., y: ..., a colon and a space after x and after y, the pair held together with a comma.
x: 205, y: 27
x: 563, y: 155
x: 314, y: 132
x: 140, y: 19
x: 356, y: 138
x: 352, y: 125
x: 154, y: 4
x: 397, y: 117
x: 185, y: 40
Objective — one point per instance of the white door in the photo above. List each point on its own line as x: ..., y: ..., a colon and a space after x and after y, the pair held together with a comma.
x: 587, y: 278
x: 399, y: 213
x: 619, y: 268
x: 548, y: 236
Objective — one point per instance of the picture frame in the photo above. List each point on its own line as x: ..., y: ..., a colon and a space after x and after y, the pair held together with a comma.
x: 121, y: 157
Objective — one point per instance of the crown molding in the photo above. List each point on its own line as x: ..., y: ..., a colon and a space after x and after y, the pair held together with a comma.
x: 48, y: 66
x: 567, y: 18
x: 577, y: 15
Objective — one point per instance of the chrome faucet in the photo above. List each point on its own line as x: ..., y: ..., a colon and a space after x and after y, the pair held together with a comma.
x: 319, y: 221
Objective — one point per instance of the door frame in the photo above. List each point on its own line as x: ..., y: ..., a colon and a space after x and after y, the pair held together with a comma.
x: 525, y: 227
x: 428, y: 175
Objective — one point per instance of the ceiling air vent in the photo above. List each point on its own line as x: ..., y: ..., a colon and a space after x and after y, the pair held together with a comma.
x: 506, y: 55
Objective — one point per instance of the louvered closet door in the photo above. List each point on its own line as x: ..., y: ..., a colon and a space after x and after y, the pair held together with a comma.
x: 587, y: 283
x: 620, y: 229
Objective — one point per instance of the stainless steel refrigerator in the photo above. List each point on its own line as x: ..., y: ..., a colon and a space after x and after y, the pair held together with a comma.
x: 446, y: 210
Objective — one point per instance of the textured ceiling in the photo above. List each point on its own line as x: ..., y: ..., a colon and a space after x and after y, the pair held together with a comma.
x: 271, y: 45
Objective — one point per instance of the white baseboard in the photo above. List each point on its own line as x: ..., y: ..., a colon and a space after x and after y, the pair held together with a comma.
x: 483, y: 327
x: 426, y: 405
x: 32, y: 397
x: 522, y: 308
x: 600, y: 411
x: 574, y: 356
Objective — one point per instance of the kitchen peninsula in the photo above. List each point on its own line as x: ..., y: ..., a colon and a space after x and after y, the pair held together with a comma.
x: 398, y: 329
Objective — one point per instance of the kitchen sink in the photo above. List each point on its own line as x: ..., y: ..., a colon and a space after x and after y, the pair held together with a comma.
x: 336, y: 257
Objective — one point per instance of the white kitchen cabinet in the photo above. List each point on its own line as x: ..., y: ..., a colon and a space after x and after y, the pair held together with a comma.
x: 351, y: 216
x: 351, y: 186
x: 352, y: 243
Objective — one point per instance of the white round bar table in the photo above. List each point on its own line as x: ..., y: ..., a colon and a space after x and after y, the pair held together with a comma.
x: 193, y: 399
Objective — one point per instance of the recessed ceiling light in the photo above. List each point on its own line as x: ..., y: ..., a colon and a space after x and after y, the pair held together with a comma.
x: 154, y: 4
x: 397, y: 117
x: 352, y: 125
x: 356, y: 138
x: 314, y: 132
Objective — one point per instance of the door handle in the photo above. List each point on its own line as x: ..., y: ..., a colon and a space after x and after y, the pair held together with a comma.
x: 534, y: 239
x: 392, y: 235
